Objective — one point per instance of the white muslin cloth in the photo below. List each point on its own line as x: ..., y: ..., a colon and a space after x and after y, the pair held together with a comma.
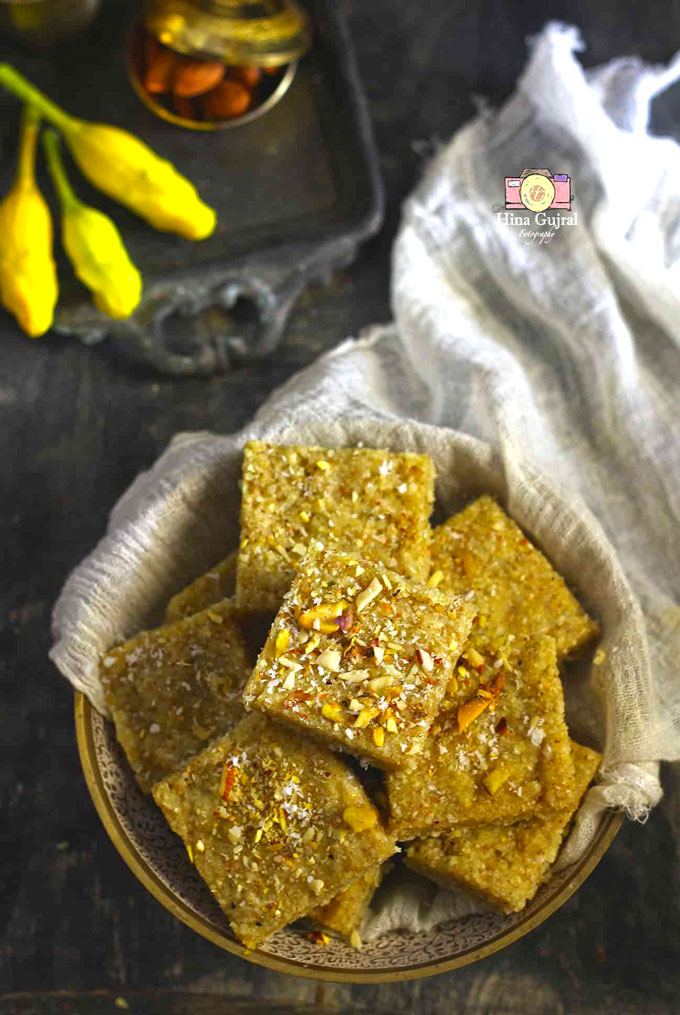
x: 547, y: 372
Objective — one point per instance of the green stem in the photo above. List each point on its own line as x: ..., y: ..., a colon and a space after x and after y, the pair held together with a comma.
x: 62, y: 184
x: 28, y: 138
x: 17, y: 83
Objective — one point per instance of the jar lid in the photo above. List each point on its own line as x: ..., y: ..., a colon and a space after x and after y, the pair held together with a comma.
x: 264, y: 33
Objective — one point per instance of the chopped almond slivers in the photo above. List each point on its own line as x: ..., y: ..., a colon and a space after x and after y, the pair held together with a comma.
x: 425, y: 659
x: 435, y: 578
x: 354, y: 676
x: 330, y: 659
x: 380, y: 683
x: 360, y: 817
x: 313, y: 643
x: 371, y: 592
x: 468, y: 712
x: 391, y: 725
x: 378, y: 736
x: 331, y: 710
x: 290, y: 664
x: 379, y: 653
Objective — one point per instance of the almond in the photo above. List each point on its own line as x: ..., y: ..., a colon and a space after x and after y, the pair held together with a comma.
x: 425, y: 659
x: 184, y: 107
x: 160, y: 71
x: 330, y: 660
x: 196, y: 77
x: 372, y: 590
x: 249, y: 75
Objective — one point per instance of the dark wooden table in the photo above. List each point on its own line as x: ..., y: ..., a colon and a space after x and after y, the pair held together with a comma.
x: 77, y: 426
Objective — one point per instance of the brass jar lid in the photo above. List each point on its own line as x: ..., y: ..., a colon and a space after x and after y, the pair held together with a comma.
x: 267, y: 33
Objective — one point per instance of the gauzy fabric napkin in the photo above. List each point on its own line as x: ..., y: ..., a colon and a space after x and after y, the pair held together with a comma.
x: 541, y: 368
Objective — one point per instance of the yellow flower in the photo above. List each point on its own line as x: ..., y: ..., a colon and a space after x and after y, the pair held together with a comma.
x: 28, y: 275
x: 94, y: 245
x: 122, y: 166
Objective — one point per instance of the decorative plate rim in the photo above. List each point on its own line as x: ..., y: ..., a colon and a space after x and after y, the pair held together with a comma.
x: 84, y: 711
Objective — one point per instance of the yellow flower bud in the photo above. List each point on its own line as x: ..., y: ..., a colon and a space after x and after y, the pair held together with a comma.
x: 94, y: 245
x: 125, y: 168
x: 28, y: 275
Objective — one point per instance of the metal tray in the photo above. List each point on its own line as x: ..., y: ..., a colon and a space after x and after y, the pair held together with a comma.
x: 296, y: 192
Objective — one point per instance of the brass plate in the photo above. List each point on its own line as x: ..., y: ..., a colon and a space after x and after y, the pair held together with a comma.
x: 394, y: 958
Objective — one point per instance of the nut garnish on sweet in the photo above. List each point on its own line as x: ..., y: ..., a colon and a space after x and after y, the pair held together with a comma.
x: 172, y: 689
x: 374, y: 503
x: 285, y: 825
x: 505, y: 865
x: 374, y: 654
x: 498, y: 750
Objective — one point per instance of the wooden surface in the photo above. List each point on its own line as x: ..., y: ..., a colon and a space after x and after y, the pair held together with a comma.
x: 76, y: 426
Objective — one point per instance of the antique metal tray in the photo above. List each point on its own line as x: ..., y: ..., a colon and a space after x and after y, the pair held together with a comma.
x: 296, y: 191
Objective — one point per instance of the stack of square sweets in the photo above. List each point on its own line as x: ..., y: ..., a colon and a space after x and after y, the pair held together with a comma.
x: 432, y: 656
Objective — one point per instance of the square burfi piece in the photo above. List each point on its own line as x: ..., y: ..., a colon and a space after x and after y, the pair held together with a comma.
x: 173, y: 689
x: 518, y: 592
x: 345, y: 913
x: 275, y: 824
x: 360, y: 657
x: 213, y: 586
x: 375, y: 503
x: 502, y: 865
x: 497, y: 752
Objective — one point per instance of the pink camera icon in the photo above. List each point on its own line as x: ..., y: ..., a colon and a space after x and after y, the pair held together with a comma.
x: 560, y: 183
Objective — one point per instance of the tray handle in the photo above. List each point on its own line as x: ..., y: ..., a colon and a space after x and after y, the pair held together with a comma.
x: 182, y: 332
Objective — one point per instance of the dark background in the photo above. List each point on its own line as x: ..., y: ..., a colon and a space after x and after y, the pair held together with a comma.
x: 76, y: 426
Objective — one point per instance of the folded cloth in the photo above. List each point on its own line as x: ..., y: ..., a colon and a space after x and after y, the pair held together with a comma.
x: 544, y: 369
